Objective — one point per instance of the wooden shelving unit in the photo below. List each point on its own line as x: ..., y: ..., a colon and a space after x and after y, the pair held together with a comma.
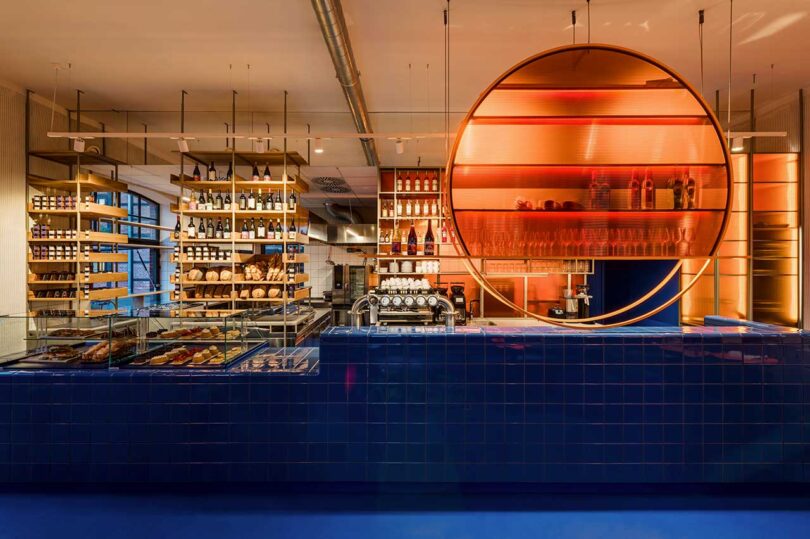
x: 241, y: 251
x: 79, y: 230
x: 396, y: 190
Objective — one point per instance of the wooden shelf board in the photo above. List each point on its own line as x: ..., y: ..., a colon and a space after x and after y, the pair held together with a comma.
x: 298, y: 186
x: 89, y: 210
x: 242, y: 214
x: 85, y: 236
x: 107, y: 293
x: 89, y: 183
x: 68, y: 157
x: 300, y: 238
x: 272, y: 159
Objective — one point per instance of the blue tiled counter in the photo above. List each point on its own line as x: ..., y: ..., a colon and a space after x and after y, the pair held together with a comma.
x: 706, y: 404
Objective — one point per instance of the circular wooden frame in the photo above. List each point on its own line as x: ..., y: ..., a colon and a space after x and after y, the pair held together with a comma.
x: 459, y: 236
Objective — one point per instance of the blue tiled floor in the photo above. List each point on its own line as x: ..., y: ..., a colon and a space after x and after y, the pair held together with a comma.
x: 455, y: 515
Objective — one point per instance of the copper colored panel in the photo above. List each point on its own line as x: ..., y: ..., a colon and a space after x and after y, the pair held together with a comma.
x: 579, y: 103
x: 776, y: 196
x: 507, y: 144
x: 776, y: 167
x: 589, y: 68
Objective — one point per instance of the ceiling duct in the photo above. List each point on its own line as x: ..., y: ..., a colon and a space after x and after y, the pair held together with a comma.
x: 351, y: 234
x: 336, y: 35
x: 342, y: 214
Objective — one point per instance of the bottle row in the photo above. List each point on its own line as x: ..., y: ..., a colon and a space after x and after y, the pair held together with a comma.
x: 55, y: 293
x: 642, y: 194
x: 416, y: 208
x: 57, y: 202
x: 397, y: 238
x: 398, y: 235
x: 251, y: 230
x: 46, y: 232
x: 212, y: 175
x: 54, y: 276
x: 245, y: 202
x: 417, y: 181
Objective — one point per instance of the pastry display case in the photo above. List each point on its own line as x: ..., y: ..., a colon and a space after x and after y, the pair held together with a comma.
x: 63, y: 342
x: 184, y: 342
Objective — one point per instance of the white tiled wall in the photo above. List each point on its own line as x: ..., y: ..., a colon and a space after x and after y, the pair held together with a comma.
x: 320, y: 274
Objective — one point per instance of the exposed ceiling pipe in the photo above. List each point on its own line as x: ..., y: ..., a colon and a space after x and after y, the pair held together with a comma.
x: 336, y: 35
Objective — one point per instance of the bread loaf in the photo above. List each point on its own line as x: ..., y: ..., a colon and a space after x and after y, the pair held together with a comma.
x: 274, y: 292
x: 244, y: 293
x: 212, y: 275
x: 195, y: 275
x: 258, y: 292
x: 225, y: 275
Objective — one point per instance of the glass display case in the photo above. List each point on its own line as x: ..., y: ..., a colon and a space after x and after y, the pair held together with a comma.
x: 58, y: 342
x: 166, y: 341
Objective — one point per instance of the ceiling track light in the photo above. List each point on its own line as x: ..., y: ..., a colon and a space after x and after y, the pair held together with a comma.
x: 400, y: 146
x: 182, y: 145
x: 737, y: 144
x: 78, y: 145
x: 261, y: 145
x: 318, y: 148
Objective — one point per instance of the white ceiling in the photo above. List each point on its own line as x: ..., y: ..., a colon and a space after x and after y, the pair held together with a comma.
x: 139, y: 55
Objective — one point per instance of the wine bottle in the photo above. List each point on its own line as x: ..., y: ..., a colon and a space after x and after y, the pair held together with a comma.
x: 292, y: 231
x: 192, y: 202
x: 245, y: 234
x: 201, y: 201
x: 291, y: 201
x: 425, y: 208
x: 384, y: 210
x: 219, y: 232
x: 593, y: 192
x: 251, y: 201
x: 177, y: 229
x: 252, y: 229
x: 267, y: 176
x: 218, y: 201
x: 407, y: 182
x: 444, y: 233
x: 242, y: 201
x: 399, y: 209
x: 430, y: 241
x: 396, y: 243
x: 271, y: 232
x: 226, y: 233
x: 677, y: 194
x: 691, y: 190
x: 408, y: 208
x: 229, y: 174
x: 201, y: 229
x: 227, y: 204
x: 399, y: 182
x: 634, y: 187
x: 417, y: 182
x: 196, y: 176
x: 648, y: 193
x: 277, y: 206
x: 417, y: 208
x: 209, y: 232
x: 413, y: 245
x: 209, y: 201
x: 212, y: 172
x: 268, y: 201
x: 255, y: 175
x: 434, y: 183
x: 191, y: 230
x: 279, y: 230
x: 260, y: 201
x: 434, y: 208
x: 261, y: 232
